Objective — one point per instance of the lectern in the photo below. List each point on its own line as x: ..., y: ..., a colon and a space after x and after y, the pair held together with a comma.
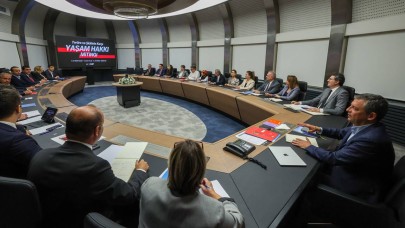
x: 128, y: 95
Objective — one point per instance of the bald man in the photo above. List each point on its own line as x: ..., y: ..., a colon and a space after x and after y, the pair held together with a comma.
x: 72, y: 181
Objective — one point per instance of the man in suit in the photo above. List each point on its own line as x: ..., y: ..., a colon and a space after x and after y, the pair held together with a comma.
x: 28, y: 78
x: 161, y: 71
x: 271, y: 86
x: 333, y: 100
x: 51, y: 73
x: 5, y: 79
x: 18, y: 81
x: 150, y: 71
x: 218, y: 78
x: 72, y: 181
x: 17, y: 148
x: 363, y: 162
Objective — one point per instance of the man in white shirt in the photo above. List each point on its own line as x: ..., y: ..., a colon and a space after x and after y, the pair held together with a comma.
x: 332, y: 100
x: 194, y: 74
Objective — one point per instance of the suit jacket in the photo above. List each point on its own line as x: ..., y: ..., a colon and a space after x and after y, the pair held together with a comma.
x: 17, y: 150
x: 293, y: 95
x: 361, y: 166
x: 28, y: 79
x: 150, y: 72
x: 161, y: 72
x: 247, y: 85
x: 19, y: 83
x: 335, y: 105
x: 37, y: 76
x: 159, y: 207
x: 51, y: 76
x: 221, y: 79
x: 72, y: 181
x: 273, y: 89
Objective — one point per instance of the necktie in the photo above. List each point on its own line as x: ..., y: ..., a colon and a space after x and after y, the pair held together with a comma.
x: 322, y: 104
x: 32, y: 80
x: 268, y: 86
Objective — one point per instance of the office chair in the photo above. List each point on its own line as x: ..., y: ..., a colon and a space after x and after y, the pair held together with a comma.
x: 280, y: 80
x: 256, y: 82
x: 227, y: 75
x: 348, y: 211
x: 209, y: 73
x: 239, y: 76
x: 188, y: 71
x: 130, y: 70
x: 138, y: 71
x: 96, y: 220
x: 351, y: 92
x: 303, y: 90
x: 19, y: 202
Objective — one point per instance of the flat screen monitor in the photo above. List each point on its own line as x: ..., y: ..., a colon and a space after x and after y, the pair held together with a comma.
x: 74, y: 52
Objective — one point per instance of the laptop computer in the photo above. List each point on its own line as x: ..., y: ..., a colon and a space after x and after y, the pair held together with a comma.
x: 286, y: 156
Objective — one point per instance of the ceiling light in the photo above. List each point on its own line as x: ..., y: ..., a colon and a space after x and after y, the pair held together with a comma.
x: 135, y: 9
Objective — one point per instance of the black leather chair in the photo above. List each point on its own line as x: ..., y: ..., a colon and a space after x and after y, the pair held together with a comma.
x: 130, y: 70
x: 303, y: 90
x: 138, y: 71
x: 348, y: 211
x: 280, y: 80
x: 351, y: 92
x: 227, y: 75
x: 19, y: 204
x: 239, y: 76
x: 96, y: 220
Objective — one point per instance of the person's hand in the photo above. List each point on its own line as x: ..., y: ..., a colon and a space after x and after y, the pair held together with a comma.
x: 312, y: 128
x: 207, y: 189
x: 277, y: 96
x: 256, y: 91
x: 314, y: 109
x: 295, y: 102
x: 268, y: 95
x: 27, y: 92
x: 57, y: 77
x: 31, y: 88
x: 142, y: 164
x: 301, y: 143
x: 23, y: 116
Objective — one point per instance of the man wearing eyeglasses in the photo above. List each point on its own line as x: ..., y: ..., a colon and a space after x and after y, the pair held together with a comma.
x: 17, y: 148
x: 333, y: 100
x: 72, y: 181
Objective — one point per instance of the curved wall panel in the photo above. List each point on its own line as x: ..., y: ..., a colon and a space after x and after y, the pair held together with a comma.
x: 211, y: 58
x: 12, y: 58
x: 297, y: 15
x: 249, y: 17
x: 304, y: 59
x: 5, y: 20
x: 371, y: 9
x: 123, y: 33
x: 149, y: 31
x: 151, y: 56
x: 210, y: 24
x: 179, y: 29
x: 125, y: 58
x: 34, y: 24
x: 180, y: 56
x: 96, y: 28
x: 37, y: 56
x: 249, y: 57
x: 65, y: 25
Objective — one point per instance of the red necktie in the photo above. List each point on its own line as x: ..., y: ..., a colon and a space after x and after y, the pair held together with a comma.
x: 32, y: 80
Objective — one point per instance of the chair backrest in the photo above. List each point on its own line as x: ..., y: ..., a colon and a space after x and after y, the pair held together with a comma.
x: 351, y: 92
x: 188, y: 71
x: 130, y: 70
x: 280, y: 80
x: 96, y: 220
x: 19, y: 203
x: 396, y: 196
x: 303, y: 90
x: 138, y: 71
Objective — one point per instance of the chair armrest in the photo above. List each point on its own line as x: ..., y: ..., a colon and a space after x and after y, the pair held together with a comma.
x: 96, y: 220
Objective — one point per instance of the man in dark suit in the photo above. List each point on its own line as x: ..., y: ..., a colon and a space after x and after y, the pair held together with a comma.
x: 217, y: 78
x: 51, y: 73
x: 72, y: 181
x: 17, y: 80
x: 270, y: 86
x: 363, y: 162
x: 5, y: 79
x: 27, y: 77
x: 17, y: 148
x: 161, y: 71
x: 150, y: 71
x: 333, y: 100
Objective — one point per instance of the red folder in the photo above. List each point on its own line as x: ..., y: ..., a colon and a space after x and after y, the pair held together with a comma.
x: 262, y: 133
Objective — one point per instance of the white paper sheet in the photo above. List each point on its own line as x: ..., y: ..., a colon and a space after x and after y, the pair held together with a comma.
x: 61, y: 139
x: 291, y: 137
x: 30, y: 120
x: 132, y: 150
x: 33, y: 113
x: 110, y: 153
x: 296, y: 107
x: 283, y: 127
x: 218, y: 189
x: 40, y: 130
x: 315, y: 113
x: 251, y: 139
x: 123, y: 168
x: 276, y: 99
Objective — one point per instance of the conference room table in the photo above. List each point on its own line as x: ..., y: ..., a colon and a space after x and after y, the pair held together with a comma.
x: 265, y: 197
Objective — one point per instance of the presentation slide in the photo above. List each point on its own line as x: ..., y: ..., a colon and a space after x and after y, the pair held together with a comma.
x: 74, y: 52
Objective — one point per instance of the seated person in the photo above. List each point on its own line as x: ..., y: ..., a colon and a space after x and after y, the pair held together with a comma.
x: 37, y: 74
x: 161, y: 71
x: 194, y: 74
x: 204, y: 76
x: 72, y: 181
x: 169, y: 71
x: 18, y: 81
x: 332, y: 100
x: 248, y: 83
x: 51, y: 73
x: 149, y: 71
x: 5, y: 79
x: 182, y: 73
x: 176, y: 202
x: 233, y: 81
x: 291, y: 90
x: 271, y: 85
x: 27, y: 77
x: 17, y: 148
x: 363, y: 162
x: 217, y: 78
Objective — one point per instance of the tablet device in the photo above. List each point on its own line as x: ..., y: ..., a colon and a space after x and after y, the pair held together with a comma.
x: 49, y: 115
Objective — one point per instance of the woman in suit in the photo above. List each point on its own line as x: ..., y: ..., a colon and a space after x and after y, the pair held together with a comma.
x: 38, y: 75
x: 176, y: 202
x: 249, y: 81
x: 169, y: 71
x: 291, y: 90
x: 233, y: 81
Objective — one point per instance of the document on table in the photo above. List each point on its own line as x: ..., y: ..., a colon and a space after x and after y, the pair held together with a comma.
x: 296, y: 107
x: 218, y: 189
x: 61, y: 139
x: 276, y: 99
x: 132, y: 150
x: 40, y: 130
x: 291, y: 137
x: 315, y: 113
x: 28, y: 105
x: 251, y: 139
x: 110, y: 153
x: 30, y: 120
x: 124, y: 163
x: 32, y: 113
x: 165, y: 174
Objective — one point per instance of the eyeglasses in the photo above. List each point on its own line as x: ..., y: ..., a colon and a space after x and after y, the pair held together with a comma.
x: 199, y: 142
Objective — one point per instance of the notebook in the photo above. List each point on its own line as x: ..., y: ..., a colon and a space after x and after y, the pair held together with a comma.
x: 262, y: 133
x: 286, y: 156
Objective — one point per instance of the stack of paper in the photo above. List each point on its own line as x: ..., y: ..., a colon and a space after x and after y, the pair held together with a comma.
x: 291, y: 137
x: 124, y: 163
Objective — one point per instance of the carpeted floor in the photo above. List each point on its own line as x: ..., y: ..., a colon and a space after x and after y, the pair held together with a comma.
x: 217, y: 125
